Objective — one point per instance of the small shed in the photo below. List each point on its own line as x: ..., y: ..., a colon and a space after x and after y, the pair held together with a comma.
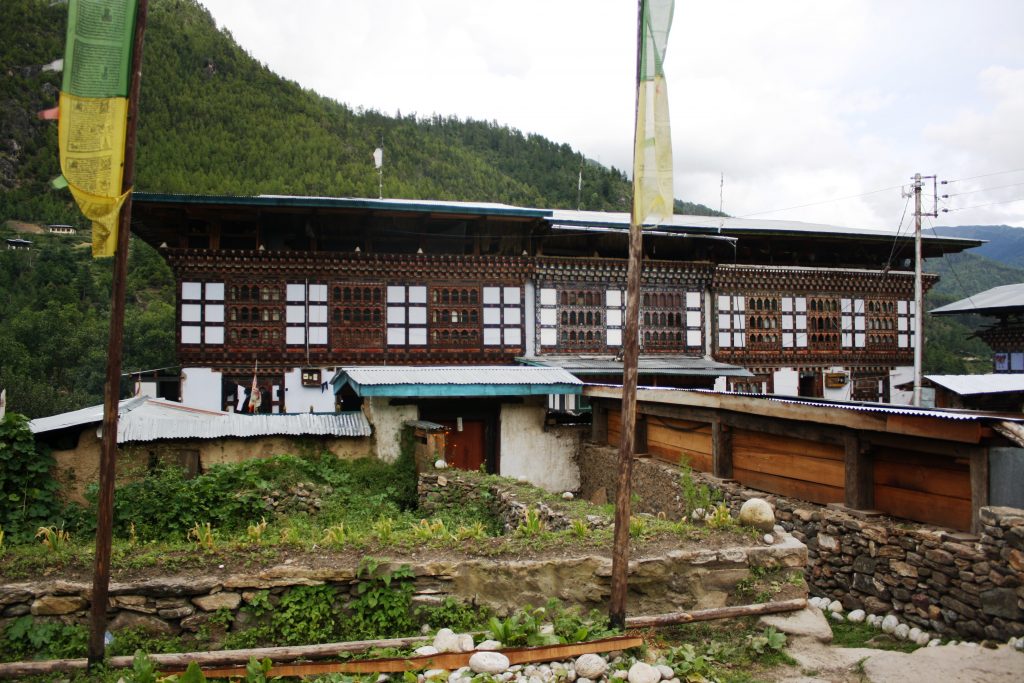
x: 18, y: 243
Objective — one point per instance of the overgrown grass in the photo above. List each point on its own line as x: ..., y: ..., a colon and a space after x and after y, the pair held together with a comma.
x: 848, y: 634
x: 732, y: 651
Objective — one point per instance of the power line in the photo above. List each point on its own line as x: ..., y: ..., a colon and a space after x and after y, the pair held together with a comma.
x: 984, y: 189
x: 984, y: 175
x: 978, y: 206
x: 826, y: 201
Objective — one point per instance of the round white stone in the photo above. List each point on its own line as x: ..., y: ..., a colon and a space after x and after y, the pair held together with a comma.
x: 447, y: 640
x: 567, y: 495
x: 666, y: 672
x: 697, y: 514
x: 889, y: 623
x: 835, y: 606
x: 856, y: 616
x: 837, y: 616
x: 620, y: 675
x: 440, y: 464
x: 489, y: 645
x: 934, y: 642
x: 591, y: 666
x: 923, y: 638
x: 901, y: 632
x: 426, y: 651
x: 465, y: 642
x: 914, y: 633
x: 768, y: 538
x: 641, y: 672
x: 486, y: 662
x: 757, y: 513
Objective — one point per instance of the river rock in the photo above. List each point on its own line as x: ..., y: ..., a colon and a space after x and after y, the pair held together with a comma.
x: 641, y: 672
x: 486, y: 662
x: 489, y: 645
x: 757, y: 513
x: 426, y: 651
x: 856, y: 616
x: 835, y: 606
x: 447, y: 640
x: 901, y: 632
x: 666, y: 672
x: 890, y: 623
x: 591, y: 666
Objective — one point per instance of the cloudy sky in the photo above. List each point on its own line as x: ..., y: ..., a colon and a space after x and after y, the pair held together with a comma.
x: 813, y: 111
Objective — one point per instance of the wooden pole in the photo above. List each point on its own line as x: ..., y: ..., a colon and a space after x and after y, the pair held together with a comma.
x: 630, y: 348
x: 673, y: 618
x: 112, y: 389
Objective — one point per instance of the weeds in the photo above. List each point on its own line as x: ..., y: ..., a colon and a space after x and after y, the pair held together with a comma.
x: 254, y: 531
x: 202, y: 535
x: 531, y: 526
x: 54, y: 539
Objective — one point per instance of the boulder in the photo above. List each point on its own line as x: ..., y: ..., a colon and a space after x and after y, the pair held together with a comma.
x: 223, y: 600
x: 53, y: 605
x: 889, y: 623
x: 447, y: 640
x: 806, y: 622
x: 591, y: 666
x: 487, y: 662
x: 641, y: 672
x: 149, y: 625
x: 757, y: 513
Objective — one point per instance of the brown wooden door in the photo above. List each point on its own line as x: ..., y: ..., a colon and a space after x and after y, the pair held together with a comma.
x: 464, y: 450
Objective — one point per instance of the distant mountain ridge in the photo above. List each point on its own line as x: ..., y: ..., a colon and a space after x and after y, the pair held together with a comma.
x: 1004, y: 243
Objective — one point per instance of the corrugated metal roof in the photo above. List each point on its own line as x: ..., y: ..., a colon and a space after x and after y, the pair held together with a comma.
x: 738, y: 226
x: 991, y: 300
x: 689, y: 366
x: 410, y: 205
x: 149, y: 419
x: 462, y: 380
x: 966, y: 385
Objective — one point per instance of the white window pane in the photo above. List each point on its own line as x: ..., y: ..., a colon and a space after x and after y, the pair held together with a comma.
x: 738, y: 302
x: 902, y: 340
x: 418, y: 295
x: 693, y: 318
x: 724, y: 321
x: 787, y: 340
x: 513, y: 336
x: 417, y: 336
x: 614, y: 337
x: 492, y: 295
x: 902, y: 324
x: 318, y: 292
x: 214, y: 313
x: 295, y: 314
x: 801, y: 304
x: 693, y: 338
x: 739, y: 321
x: 492, y: 336
x: 901, y: 307
x: 190, y: 334
x: 295, y: 335
x: 1016, y: 362
x: 492, y: 316
x: 318, y: 335
x: 548, y: 338
x: 296, y: 292
x: 787, y: 304
x: 213, y: 335
x: 787, y: 322
x: 614, y: 318
x: 548, y: 316
x: 858, y: 306
x: 739, y: 339
x: 847, y: 339
x: 913, y: 307
x: 511, y: 295
x: 613, y: 297
x: 801, y: 322
x: 396, y: 315
x: 845, y: 305
x: 215, y: 291
x: 548, y: 297
x: 396, y: 294
x: 191, y: 313
x: 858, y: 323
x: 724, y: 340
x: 318, y: 314
x: 191, y: 290
x: 847, y: 322
x: 724, y: 302
x: 858, y: 339
x: 693, y: 299
x: 801, y: 340
x: 418, y: 315
x: 512, y: 316
x: 396, y: 336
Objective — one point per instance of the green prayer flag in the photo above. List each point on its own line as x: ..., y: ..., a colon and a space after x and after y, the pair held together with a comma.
x: 59, y: 183
x: 97, y: 55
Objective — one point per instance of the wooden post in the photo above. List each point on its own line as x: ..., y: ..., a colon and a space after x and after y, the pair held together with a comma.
x: 858, y: 484
x: 112, y: 388
x: 721, y: 450
x: 979, y: 486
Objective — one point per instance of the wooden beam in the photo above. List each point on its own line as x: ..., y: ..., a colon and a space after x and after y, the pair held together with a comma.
x: 952, y: 449
x: 859, y: 475
x: 713, y: 613
x: 979, y: 487
x: 721, y: 450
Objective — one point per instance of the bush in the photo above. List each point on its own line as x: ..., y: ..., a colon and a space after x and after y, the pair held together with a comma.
x: 28, y: 491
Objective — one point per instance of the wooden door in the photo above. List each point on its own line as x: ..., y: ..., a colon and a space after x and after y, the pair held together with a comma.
x: 465, y: 450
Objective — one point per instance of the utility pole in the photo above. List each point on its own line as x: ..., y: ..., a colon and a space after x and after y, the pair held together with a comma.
x: 918, y: 287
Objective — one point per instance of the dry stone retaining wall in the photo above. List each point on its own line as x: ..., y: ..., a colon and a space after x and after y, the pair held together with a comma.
x: 955, y: 584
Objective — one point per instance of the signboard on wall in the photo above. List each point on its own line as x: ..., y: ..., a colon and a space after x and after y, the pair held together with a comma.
x: 836, y: 380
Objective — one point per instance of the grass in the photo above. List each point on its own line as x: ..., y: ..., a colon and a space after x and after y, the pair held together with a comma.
x: 847, y: 634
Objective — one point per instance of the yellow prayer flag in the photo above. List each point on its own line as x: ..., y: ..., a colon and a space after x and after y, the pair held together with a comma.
x: 91, y: 136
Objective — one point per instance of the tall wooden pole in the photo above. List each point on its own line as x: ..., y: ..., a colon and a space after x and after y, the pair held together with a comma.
x: 630, y: 348
x: 918, y: 320
x: 112, y: 389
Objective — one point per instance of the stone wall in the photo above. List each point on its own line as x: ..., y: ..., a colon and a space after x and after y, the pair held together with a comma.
x: 955, y: 584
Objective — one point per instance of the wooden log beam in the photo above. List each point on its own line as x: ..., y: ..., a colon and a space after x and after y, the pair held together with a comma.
x: 721, y: 450
x: 979, y: 487
x: 858, y: 474
x: 673, y: 618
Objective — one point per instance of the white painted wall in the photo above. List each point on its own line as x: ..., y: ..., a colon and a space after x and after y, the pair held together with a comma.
x: 787, y: 382
x: 544, y: 458
x: 530, y: 327
x: 201, y: 388
x: 299, y: 399
x: 388, y: 422
x: 843, y: 393
x: 904, y: 373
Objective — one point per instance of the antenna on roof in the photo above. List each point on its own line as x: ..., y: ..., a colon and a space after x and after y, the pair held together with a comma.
x: 378, y: 162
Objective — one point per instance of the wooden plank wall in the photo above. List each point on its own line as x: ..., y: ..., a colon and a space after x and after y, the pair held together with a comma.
x: 671, y: 440
x: 788, y: 466
x: 923, y: 487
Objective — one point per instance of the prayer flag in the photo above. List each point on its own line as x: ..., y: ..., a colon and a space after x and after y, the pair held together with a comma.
x: 652, y: 151
x: 255, y: 399
x: 378, y: 157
